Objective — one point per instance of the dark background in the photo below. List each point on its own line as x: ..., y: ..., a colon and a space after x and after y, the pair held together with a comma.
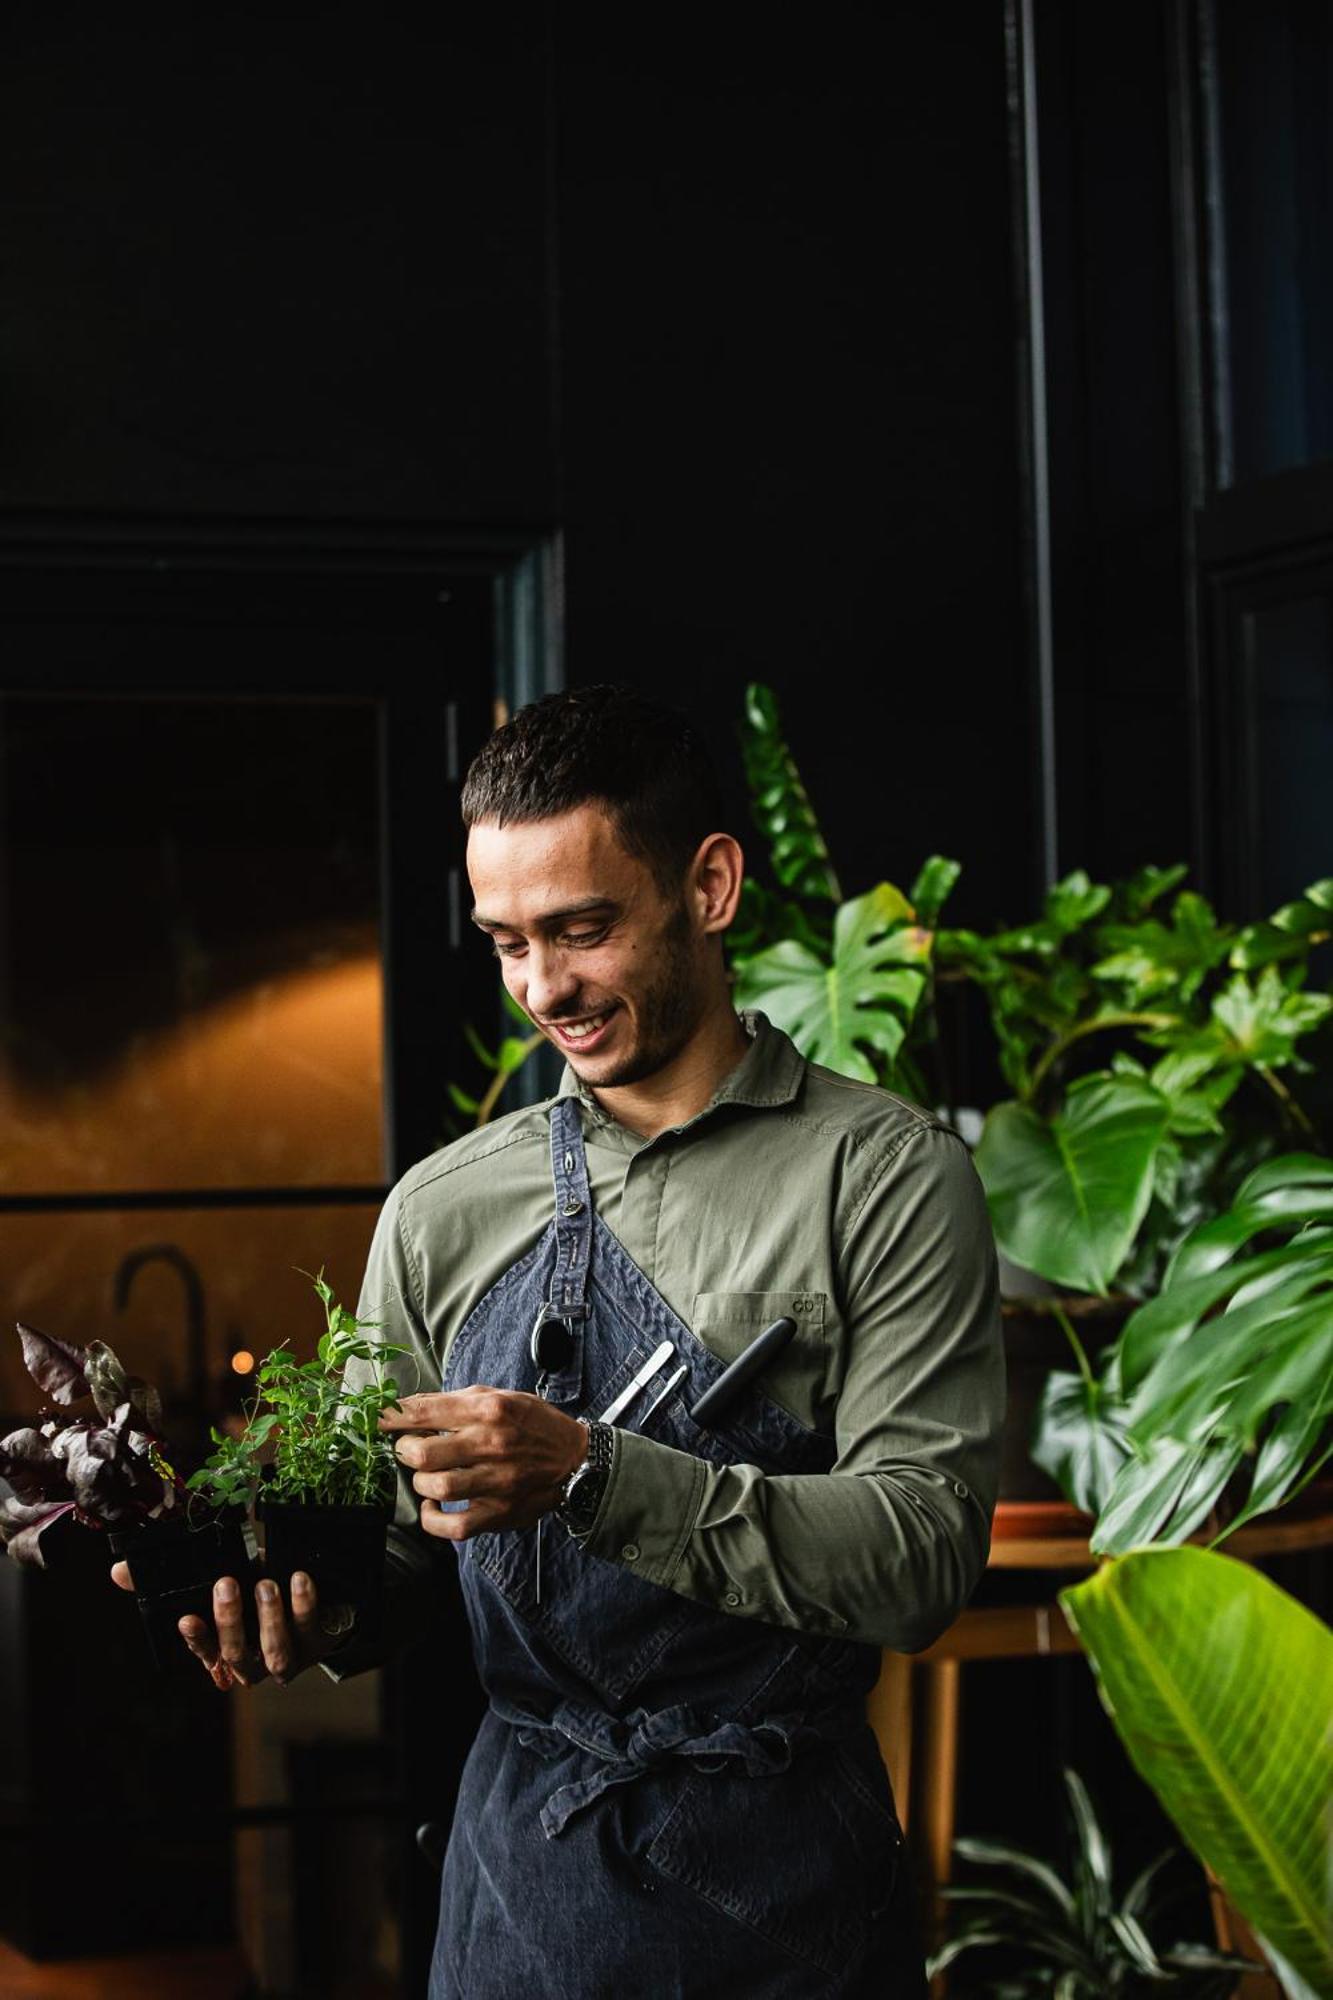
x: 746, y: 326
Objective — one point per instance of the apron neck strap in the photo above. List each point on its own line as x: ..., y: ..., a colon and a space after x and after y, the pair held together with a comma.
x: 573, y: 1206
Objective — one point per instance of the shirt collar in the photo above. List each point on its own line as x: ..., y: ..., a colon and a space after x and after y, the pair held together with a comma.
x: 770, y: 1072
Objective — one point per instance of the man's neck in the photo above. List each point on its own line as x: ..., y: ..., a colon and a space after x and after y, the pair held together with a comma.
x: 677, y: 1093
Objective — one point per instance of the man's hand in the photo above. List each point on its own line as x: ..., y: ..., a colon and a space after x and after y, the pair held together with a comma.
x: 504, y: 1451
x: 223, y: 1649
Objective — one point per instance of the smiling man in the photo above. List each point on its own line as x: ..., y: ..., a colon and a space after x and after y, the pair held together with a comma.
x: 674, y: 1792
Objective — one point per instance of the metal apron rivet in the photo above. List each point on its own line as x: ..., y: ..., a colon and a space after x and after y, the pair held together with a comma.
x: 569, y: 1163
x: 572, y: 1207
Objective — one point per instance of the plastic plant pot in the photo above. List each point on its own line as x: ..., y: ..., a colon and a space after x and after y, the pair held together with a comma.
x: 341, y: 1548
x: 175, y: 1561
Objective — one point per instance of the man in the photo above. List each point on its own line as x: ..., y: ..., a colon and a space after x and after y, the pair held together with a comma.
x: 673, y: 1791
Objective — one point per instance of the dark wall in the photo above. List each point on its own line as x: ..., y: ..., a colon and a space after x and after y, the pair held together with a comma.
x: 277, y: 260
x: 733, y: 311
x: 788, y: 423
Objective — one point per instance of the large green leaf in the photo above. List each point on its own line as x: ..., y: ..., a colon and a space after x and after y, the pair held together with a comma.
x: 1164, y: 1492
x: 1067, y: 1194
x: 780, y: 803
x: 862, y: 998
x: 1256, y: 1374
x: 1221, y: 1687
x: 1078, y: 1437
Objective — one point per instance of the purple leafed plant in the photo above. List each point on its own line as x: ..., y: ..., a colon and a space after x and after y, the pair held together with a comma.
x: 105, y: 1467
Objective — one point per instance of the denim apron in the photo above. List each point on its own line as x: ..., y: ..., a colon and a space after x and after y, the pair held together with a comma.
x: 662, y: 1799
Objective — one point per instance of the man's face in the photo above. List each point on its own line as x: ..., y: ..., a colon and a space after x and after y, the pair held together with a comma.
x: 611, y: 970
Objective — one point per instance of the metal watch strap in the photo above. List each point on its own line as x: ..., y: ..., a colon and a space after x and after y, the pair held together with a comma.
x: 582, y: 1491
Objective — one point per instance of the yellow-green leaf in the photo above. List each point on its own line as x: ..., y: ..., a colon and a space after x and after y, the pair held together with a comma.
x: 1221, y: 1687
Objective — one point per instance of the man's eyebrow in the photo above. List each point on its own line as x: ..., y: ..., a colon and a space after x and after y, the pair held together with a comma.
x: 550, y: 918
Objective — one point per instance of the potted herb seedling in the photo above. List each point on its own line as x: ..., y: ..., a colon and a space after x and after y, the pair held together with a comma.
x: 327, y: 1491
x: 104, y: 1468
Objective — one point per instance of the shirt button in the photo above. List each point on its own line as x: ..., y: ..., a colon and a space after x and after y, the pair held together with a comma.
x: 732, y: 1598
x: 960, y: 1489
x: 630, y: 1552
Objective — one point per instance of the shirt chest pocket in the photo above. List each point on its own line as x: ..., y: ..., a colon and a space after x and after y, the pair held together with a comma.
x: 727, y: 1323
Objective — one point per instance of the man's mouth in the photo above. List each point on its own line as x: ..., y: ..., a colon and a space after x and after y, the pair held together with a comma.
x: 581, y: 1034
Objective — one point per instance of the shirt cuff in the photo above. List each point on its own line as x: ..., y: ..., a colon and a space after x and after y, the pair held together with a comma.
x: 649, y: 1508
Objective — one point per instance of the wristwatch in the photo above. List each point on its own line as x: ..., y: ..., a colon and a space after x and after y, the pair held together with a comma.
x: 581, y: 1494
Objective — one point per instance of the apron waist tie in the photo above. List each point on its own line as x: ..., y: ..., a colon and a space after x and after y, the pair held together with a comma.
x: 628, y: 1746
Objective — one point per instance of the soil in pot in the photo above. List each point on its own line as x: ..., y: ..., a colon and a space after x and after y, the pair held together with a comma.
x: 1035, y: 1345
x: 175, y: 1561
x: 342, y: 1548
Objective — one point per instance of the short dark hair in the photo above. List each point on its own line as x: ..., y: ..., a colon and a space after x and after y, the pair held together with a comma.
x: 638, y: 759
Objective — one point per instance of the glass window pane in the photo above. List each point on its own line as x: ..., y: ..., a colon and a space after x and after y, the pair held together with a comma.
x: 176, y: 1293
x: 190, y: 974
x: 1292, y: 651
x: 1276, y: 118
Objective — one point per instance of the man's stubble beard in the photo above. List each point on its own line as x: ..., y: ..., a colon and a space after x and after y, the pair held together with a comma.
x: 670, y: 1010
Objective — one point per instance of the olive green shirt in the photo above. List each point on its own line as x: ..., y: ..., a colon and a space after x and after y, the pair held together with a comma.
x: 795, y: 1191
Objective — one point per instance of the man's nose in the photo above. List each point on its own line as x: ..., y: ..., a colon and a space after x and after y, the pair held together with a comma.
x: 552, y: 983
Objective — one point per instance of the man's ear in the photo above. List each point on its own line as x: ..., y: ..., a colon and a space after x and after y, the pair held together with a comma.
x: 713, y: 882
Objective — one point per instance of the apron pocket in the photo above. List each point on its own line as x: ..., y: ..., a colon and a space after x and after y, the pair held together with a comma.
x: 727, y: 1322
x: 806, y: 1859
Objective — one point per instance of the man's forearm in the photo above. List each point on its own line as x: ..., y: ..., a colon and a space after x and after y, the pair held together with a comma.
x: 889, y: 1557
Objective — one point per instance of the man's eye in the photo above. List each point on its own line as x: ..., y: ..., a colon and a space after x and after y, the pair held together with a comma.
x: 584, y: 937
x: 505, y: 950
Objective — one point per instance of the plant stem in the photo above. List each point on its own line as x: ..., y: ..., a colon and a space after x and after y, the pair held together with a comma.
x: 1084, y: 1366
x: 1063, y: 1043
x: 501, y: 1078
x: 1286, y: 1098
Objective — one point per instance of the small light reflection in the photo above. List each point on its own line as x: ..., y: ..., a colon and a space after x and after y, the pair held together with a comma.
x: 243, y: 1362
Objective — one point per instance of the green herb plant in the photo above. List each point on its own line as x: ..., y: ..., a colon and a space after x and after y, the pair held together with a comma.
x: 326, y: 1446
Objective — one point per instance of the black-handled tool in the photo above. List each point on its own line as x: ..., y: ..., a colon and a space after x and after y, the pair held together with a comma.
x: 742, y: 1372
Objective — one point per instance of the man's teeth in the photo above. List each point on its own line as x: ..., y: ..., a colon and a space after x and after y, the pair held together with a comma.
x: 578, y: 1029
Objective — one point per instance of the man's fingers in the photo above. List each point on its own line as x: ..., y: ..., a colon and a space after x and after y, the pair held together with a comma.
x: 305, y: 1608
x: 120, y: 1576
x: 445, y: 1410
x: 199, y: 1636
x: 274, y: 1638
x: 233, y: 1644
x: 451, y: 1527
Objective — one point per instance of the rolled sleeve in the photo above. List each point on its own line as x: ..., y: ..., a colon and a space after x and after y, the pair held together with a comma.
x: 888, y: 1546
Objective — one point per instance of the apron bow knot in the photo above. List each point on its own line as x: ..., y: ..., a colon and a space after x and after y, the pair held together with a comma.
x: 627, y: 1746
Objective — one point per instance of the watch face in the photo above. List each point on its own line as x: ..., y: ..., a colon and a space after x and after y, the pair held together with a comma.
x: 585, y: 1490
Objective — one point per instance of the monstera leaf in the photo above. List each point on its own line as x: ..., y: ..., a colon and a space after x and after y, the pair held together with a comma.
x: 1236, y: 1351
x: 1218, y: 1683
x: 1067, y: 1193
x: 861, y: 999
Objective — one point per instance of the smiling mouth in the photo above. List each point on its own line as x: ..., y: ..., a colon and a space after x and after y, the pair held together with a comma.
x: 581, y: 1031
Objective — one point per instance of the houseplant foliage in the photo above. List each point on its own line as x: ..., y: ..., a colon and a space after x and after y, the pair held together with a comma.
x: 103, y: 1464
x: 328, y: 1486
x: 1221, y: 1687
x: 1075, y: 1938
x: 1220, y: 1388
x: 1149, y: 1050
x: 848, y: 980
x: 104, y: 1468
